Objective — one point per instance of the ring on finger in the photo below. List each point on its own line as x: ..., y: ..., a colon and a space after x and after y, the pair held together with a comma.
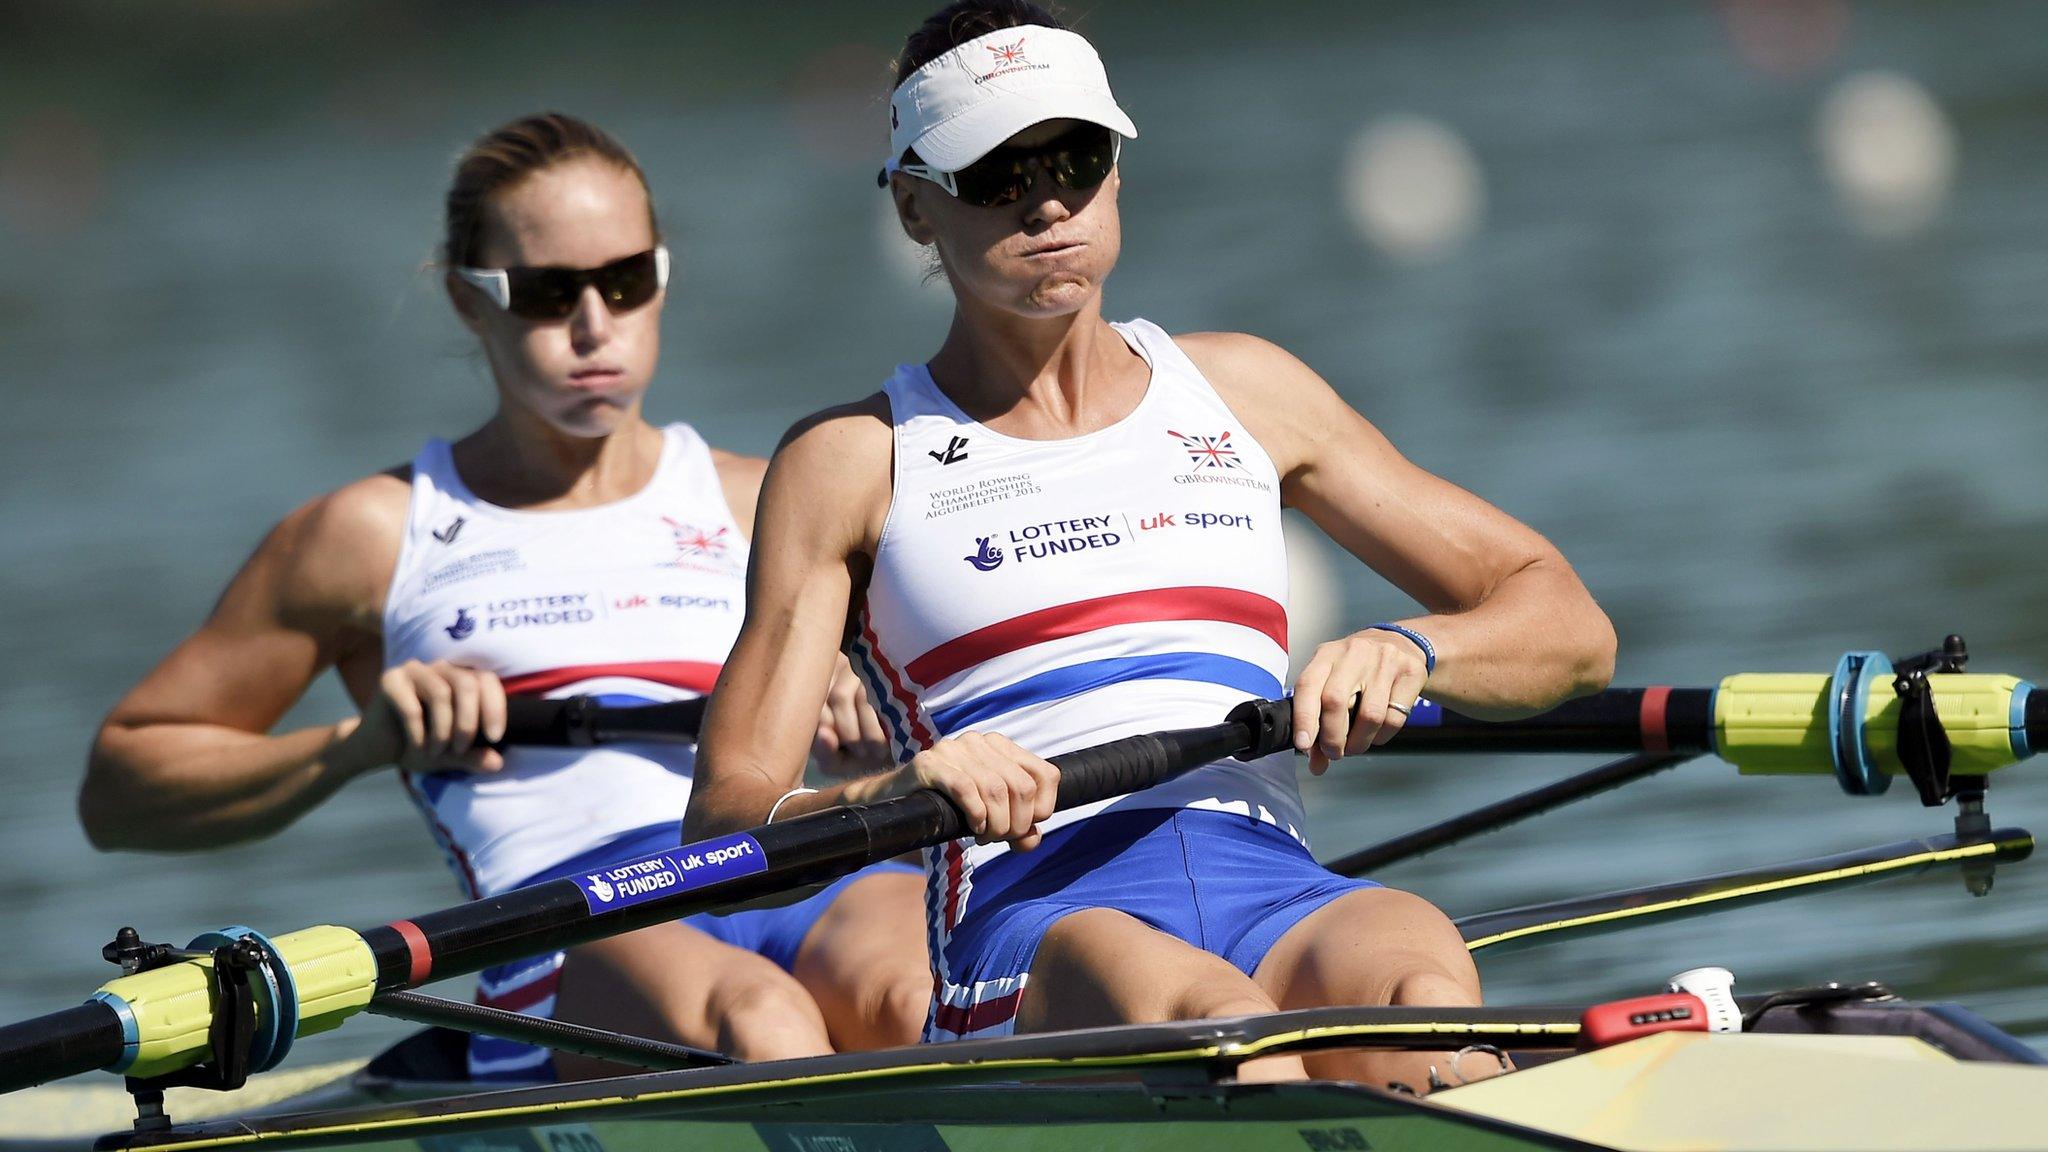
x: 1398, y: 708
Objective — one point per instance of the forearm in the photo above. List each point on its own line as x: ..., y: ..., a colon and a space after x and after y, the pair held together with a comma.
x: 1536, y: 640
x: 179, y: 787
x: 742, y: 799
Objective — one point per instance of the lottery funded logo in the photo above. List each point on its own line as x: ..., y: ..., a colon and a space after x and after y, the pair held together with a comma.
x: 691, y: 866
x: 1030, y: 543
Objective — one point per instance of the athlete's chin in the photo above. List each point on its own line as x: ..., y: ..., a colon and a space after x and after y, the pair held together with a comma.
x: 1060, y: 295
x: 594, y: 417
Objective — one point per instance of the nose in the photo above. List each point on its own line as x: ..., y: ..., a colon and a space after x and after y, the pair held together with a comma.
x: 1043, y: 207
x: 590, y: 325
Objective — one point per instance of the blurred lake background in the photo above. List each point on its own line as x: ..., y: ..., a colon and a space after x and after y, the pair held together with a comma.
x: 1745, y: 305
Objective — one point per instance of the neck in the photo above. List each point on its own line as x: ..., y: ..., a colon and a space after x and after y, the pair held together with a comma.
x: 518, y: 460
x: 1051, y: 376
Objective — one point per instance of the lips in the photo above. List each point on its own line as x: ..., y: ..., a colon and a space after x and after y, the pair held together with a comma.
x: 596, y: 379
x: 1060, y: 248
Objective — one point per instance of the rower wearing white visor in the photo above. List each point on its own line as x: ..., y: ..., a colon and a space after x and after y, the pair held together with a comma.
x: 1058, y: 531
x: 566, y: 547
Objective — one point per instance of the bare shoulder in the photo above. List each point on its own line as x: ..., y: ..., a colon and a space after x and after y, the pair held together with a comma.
x: 843, y: 442
x: 834, y: 466
x: 334, y: 554
x: 1284, y: 403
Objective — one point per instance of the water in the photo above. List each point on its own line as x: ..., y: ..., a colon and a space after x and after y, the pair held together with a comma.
x: 1762, y: 436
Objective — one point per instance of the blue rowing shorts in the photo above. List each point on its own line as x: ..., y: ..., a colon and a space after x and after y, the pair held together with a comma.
x: 1226, y: 883
x: 529, y: 985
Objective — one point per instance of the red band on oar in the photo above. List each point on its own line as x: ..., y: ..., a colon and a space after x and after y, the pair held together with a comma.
x: 416, y: 944
x: 1655, y: 700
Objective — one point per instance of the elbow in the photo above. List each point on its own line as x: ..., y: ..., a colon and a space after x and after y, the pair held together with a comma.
x: 1594, y: 668
x: 108, y: 805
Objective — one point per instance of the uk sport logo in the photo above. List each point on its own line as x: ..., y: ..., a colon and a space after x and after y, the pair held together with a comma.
x: 986, y: 557
x: 1209, y: 451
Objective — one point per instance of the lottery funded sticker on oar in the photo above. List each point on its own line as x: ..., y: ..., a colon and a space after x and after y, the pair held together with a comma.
x: 652, y: 877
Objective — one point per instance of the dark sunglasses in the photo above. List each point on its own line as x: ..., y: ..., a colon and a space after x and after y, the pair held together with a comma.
x: 552, y: 293
x: 1077, y: 160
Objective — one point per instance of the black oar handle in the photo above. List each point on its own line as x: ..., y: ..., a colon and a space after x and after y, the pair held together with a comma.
x: 582, y: 722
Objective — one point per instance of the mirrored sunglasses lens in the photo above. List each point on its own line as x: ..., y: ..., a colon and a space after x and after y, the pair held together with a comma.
x: 991, y: 181
x: 629, y: 283
x: 543, y: 294
x: 1084, y: 164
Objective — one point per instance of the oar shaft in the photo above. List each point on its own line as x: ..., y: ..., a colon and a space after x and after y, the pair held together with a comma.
x: 1615, y: 721
x: 58, y: 1045
x: 716, y: 873
x: 1500, y: 814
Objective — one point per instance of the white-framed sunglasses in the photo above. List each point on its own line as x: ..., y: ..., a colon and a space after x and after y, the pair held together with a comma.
x: 552, y: 293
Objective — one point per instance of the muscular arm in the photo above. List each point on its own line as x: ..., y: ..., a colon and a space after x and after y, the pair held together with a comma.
x: 821, y: 507
x: 184, y: 761
x: 820, y: 520
x: 1515, y: 630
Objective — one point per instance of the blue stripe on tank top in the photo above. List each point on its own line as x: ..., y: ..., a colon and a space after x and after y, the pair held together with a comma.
x: 1075, y: 679
x: 878, y: 695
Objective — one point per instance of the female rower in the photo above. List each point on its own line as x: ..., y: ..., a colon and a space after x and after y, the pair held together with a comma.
x: 1060, y: 531
x: 565, y: 547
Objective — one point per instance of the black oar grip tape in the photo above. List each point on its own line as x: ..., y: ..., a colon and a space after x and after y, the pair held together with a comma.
x: 562, y: 723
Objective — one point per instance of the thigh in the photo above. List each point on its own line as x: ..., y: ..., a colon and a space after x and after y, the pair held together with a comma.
x: 672, y: 982
x: 865, y: 962
x: 1375, y: 946
x: 1100, y: 966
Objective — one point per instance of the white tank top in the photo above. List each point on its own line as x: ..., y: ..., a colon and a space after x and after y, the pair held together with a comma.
x: 1070, y: 592
x: 635, y: 601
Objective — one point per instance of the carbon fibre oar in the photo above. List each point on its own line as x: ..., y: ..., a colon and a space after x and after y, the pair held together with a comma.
x: 1848, y: 723
x: 158, y: 1021
x: 582, y: 722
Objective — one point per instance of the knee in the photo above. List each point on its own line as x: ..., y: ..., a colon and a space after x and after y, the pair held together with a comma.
x: 900, y: 1007
x: 766, y: 1019
x: 1216, y: 1000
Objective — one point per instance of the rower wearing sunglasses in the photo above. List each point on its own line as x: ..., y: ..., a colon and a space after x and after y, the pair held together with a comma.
x: 1058, y: 531
x: 565, y: 547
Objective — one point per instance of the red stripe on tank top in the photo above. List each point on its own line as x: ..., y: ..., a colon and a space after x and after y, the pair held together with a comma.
x: 1153, y: 605
x: 694, y: 675
x: 919, y: 730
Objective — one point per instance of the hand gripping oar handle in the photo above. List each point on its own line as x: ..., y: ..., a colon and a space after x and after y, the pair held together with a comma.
x: 157, y: 1021
x: 726, y: 870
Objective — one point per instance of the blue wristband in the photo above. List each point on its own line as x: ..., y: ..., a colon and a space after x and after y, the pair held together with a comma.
x: 1420, y: 641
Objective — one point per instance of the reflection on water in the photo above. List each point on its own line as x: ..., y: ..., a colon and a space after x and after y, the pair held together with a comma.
x: 1763, y: 435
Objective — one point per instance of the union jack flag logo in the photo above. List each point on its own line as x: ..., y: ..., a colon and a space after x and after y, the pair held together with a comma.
x: 1208, y: 451
x: 694, y: 541
x: 1009, y: 53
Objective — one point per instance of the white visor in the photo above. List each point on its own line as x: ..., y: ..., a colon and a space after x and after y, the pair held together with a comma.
x: 957, y: 108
